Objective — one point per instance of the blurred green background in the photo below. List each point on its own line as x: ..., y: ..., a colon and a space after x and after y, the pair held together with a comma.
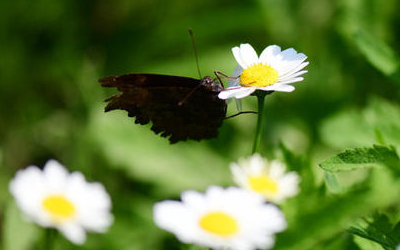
x: 51, y: 106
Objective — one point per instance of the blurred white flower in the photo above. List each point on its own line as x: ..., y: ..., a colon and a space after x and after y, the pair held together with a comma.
x: 266, y: 178
x: 274, y: 70
x: 231, y: 218
x: 65, y: 201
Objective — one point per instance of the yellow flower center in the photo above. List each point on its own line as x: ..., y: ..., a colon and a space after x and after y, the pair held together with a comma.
x: 263, y: 184
x: 219, y: 223
x: 59, y: 207
x: 258, y: 75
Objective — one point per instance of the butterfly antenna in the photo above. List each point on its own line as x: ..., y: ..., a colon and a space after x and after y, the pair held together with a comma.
x: 195, y: 51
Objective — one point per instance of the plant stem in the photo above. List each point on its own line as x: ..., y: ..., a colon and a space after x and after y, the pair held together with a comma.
x: 260, y: 98
x: 48, y: 239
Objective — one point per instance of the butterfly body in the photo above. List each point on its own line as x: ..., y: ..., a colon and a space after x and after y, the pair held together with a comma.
x: 180, y: 108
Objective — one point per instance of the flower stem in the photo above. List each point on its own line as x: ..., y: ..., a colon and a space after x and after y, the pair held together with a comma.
x: 48, y: 239
x: 260, y: 98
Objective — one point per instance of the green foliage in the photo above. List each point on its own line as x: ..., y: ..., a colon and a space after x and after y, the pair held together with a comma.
x: 378, y: 229
x: 377, y: 156
x: 53, y: 52
x: 366, y: 244
x: 376, y: 192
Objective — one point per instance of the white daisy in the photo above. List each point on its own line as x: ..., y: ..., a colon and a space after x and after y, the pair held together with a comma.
x: 266, y: 178
x: 231, y: 218
x: 55, y: 198
x: 274, y: 70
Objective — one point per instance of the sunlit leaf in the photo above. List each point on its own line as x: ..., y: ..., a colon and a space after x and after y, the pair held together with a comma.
x: 332, y: 215
x: 366, y: 244
x: 378, y: 229
x: 352, y: 159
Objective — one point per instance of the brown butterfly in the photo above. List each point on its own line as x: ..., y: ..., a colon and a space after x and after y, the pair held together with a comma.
x: 180, y: 108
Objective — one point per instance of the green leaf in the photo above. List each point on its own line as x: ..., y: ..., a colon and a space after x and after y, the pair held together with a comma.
x: 377, y: 229
x: 342, y: 241
x: 396, y: 232
x: 366, y: 244
x: 325, y: 217
x: 353, y: 159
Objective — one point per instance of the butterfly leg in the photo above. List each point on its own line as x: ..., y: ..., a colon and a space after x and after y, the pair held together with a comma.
x: 241, y: 113
x: 219, y: 73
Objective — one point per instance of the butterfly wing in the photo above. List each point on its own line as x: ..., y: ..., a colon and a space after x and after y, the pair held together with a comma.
x: 155, y: 98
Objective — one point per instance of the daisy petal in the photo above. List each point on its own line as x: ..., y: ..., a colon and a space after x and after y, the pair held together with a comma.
x: 238, y: 57
x: 26, y: 181
x: 173, y: 216
x: 279, y: 88
x: 55, y: 198
x: 192, y: 198
x: 288, y: 65
x: 277, y: 169
x: 247, y: 219
x: 293, y: 69
x: 97, y: 222
x: 269, y: 53
x: 165, y: 211
x: 229, y: 92
x: 244, y: 93
x: 53, y: 169
x: 299, y: 73
x: 237, y: 92
x: 291, y: 80
x: 74, y: 233
x: 248, y: 54
x: 238, y: 174
x: 28, y: 187
x: 276, y: 220
x: 290, y: 183
x: 289, y: 54
x: 273, y: 172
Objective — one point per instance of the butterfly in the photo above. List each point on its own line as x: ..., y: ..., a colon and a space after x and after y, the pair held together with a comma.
x: 179, y: 108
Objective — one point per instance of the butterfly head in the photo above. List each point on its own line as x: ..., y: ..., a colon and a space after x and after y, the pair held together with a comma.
x: 211, y: 84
